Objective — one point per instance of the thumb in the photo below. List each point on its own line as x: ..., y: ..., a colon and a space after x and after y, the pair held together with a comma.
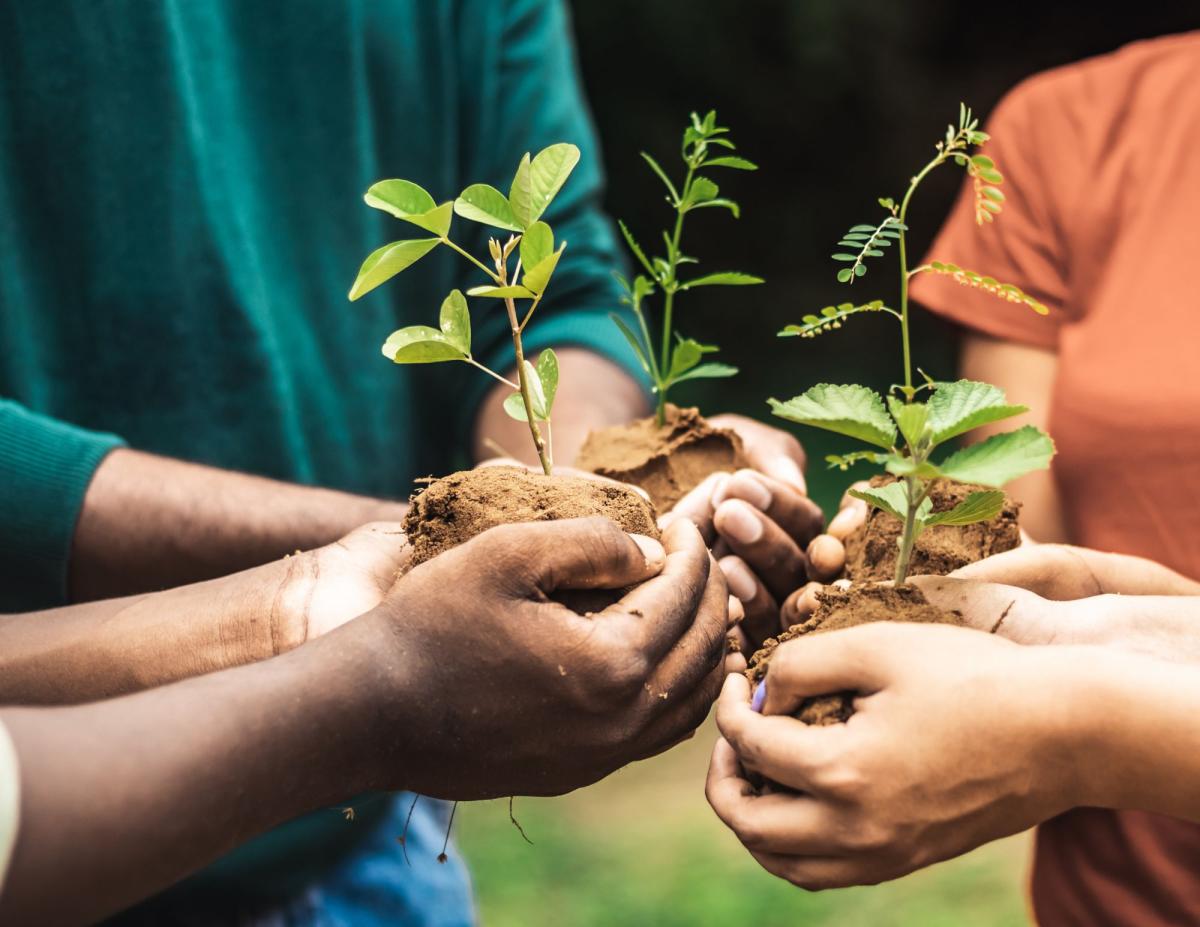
x: 583, y: 553
x: 854, y: 660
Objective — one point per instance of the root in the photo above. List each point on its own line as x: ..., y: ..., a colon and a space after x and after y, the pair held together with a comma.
x: 515, y: 822
x: 449, y: 827
x: 403, y: 838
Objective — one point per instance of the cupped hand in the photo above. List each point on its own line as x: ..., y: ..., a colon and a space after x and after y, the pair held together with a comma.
x: 505, y: 691
x: 954, y: 742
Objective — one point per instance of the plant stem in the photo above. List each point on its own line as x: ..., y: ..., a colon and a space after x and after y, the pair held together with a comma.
x: 908, y: 538
x: 491, y: 373
x: 912, y: 187
x: 669, y: 290
x: 539, y: 443
x: 474, y: 260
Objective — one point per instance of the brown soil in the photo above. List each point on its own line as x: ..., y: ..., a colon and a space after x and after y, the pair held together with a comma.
x: 871, y: 551
x: 668, y: 460
x: 845, y: 609
x: 457, y: 507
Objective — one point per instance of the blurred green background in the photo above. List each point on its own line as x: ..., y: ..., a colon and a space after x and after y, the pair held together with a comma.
x: 839, y: 102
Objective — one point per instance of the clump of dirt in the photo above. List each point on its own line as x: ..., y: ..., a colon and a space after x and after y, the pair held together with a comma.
x: 872, y: 550
x: 455, y: 508
x: 666, y: 460
x: 846, y: 608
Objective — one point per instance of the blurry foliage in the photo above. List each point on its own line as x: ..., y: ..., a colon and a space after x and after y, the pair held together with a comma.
x: 837, y: 100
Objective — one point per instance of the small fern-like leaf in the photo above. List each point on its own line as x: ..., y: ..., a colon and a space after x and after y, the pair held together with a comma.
x: 831, y: 317
x: 1006, y: 291
x: 869, y: 240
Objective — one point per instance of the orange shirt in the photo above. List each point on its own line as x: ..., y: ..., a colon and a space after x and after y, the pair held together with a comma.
x: 1101, y: 161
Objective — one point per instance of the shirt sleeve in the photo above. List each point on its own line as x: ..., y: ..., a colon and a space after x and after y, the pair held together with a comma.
x: 1023, y: 245
x: 538, y: 101
x: 9, y: 802
x: 45, y: 468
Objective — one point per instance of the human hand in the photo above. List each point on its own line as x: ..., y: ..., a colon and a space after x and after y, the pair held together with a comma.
x: 951, y: 745
x: 505, y: 691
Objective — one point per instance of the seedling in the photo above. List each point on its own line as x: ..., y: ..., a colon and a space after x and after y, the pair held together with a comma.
x: 670, y: 362
x: 908, y: 431
x: 537, y: 182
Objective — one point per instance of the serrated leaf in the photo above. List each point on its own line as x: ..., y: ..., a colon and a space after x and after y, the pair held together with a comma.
x: 684, y: 356
x: 487, y: 205
x: 502, y: 292
x: 708, y: 372
x: 1000, y: 458
x: 384, y: 263
x: 537, y: 244
x: 955, y: 408
x: 633, y: 340
x: 846, y: 461
x: 725, y: 278
x: 740, y: 164
x: 978, y: 506
x: 635, y: 248
x: 898, y: 465
x: 849, y: 410
x: 910, y: 417
x: 892, y: 498
x: 547, y: 372
x: 538, y: 277
x: 701, y: 191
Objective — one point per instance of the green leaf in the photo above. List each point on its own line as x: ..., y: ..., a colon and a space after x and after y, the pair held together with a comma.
x: 384, y: 263
x: 538, y: 181
x: 487, y: 205
x: 420, y: 344
x: 455, y: 321
x: 708, y: 372
x: 740, y: 164
x: 849, y: 410
x: 537, y: 244
x: 633, y: 340
x: 1000, y: 458
x: 636, y: 248
x: 831, y: 317
x: 541, y: 396
x: 702, y: 190
x: 892, y: 498
x: 662, y: 175
x: 844, y: 275
x: 502, y: 292
x: 537, y: 278
x: 514, y: 406
x: 978, y: 506
x: 726, y: 278
x: 955, y: 408
x: 846, y: 461
x: 405, y: 200
x: 899, y: 465
x: 547, y: 371
x: 910, y: 417
x: 685, y: 355
x: 723, y: 203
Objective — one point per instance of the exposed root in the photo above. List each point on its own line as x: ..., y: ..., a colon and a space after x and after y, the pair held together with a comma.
x: 442, y: 857
x: 403, y: 838
x: 515, y: 822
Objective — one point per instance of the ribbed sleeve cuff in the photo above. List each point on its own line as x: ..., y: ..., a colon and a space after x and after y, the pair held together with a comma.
x: 45, y: 468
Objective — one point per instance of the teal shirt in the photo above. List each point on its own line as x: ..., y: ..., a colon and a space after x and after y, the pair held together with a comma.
x: 181, y: 217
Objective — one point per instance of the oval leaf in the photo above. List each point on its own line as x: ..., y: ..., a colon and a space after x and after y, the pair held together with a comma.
x: 501, y: 292
x: 537, y: 244
x: 538, y: 277
x: 420, y: 344
x: 487, y: 205
x: 548, y: 171
x: 726, y: 278
x: 520, y: 194
x: 383, y: 264
x: 455, y: 321
x: 401, y: 198
x: 547, y: 372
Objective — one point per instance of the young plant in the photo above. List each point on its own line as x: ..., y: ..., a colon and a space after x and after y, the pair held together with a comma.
x: 670, y: 362
x: 906, y: 430
x: 537, y: 182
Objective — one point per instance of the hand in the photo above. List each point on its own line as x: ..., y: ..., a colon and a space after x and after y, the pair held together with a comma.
x: 763, y: 518
x: 951, y: 745
x: 506, y: 692
x: 827, y: 552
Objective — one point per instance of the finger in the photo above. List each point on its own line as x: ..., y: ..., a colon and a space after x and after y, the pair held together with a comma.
x: 657, y: 614
x: 796, y: 514
x: 577, y: 553
x: 801, y: 605
x: 761, y: 612
x: 852, y: 514
x: 763, y: 545
x: 682, y: 716
x: 1008, y: 612
x: 769, y: 450
x: 826, y: 558
x: 697, y: 506
x: 855, y: 660
x: 819, y: 873
x: 783, y: 749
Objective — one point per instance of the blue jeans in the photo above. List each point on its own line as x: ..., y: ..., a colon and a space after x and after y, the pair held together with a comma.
x: 361, y: 884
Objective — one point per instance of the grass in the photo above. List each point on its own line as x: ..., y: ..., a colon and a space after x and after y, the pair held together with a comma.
x: 642, y: 847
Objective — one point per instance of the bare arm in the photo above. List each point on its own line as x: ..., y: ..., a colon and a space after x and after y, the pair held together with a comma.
x: 1026, y: 374
x: 151, y: 522
x: 98, y: 650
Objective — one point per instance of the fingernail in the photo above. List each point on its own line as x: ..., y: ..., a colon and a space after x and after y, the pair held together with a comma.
x: 739, y: 578
x: 787, y: 471
x: 720, y: 488
x: 736, y: 612
x: 745, y: 486
x: 739, y: 522
x: 652, y: 550
x: 759, y: 697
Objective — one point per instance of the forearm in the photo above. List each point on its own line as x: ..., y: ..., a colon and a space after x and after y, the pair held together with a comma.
x: 122, y: 798
x: 1135, y: 741
x: 151, y: 522
x: 99, y: 650
x: 593, y: 392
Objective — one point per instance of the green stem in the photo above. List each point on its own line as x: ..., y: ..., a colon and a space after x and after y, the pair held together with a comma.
x: 669, y: 289
x: 543, y: 451
x: 902, y: 215
x: 908, y: 538
x: 474, y: 260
